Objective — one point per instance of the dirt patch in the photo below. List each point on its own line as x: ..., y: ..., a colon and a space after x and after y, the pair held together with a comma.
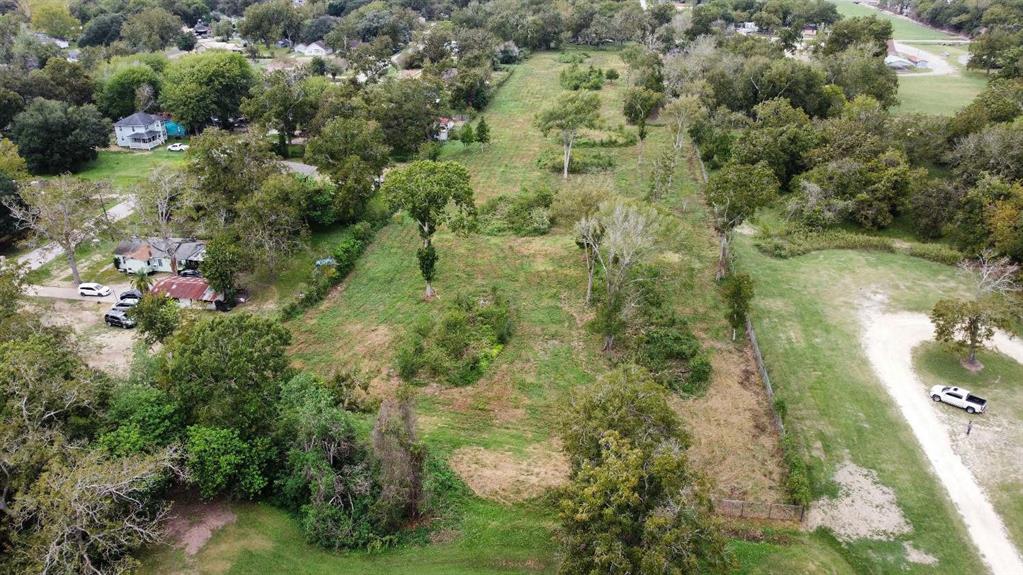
x: 864, y: 508
x: 191, y: 524
x: 506, y: 477
x: 733, y: 440
x: 103, y: 347
x: 914, y: 555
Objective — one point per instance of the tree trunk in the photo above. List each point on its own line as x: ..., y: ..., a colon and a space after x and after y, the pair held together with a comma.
x: 282, y: 144
x: 568, y: 158
x: 73, y: 264
x: 174, y: 264
x: 722, y: 258
x: 429, y: 293
x: 609, y: 342
x: 590, y: 268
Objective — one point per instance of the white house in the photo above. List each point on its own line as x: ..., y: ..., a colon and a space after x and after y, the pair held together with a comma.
x: 314, y: 49
x: 140, y: 131
x: 897, y: 63
x: 151, y: 255
x: 188, y: 292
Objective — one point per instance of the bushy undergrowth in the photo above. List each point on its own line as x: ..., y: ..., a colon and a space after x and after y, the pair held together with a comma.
x: 576, y: 77
x: 583, y: 161
x: 573, y: 57
x: 674, y: 356
x: 458, y: 346
x: 527, y: 213
x: 323, y: 279
x: 618, y: 137
x: 799, y: 242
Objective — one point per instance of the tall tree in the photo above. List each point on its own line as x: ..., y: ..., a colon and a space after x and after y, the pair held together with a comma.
x: 56, y: 137
x: 281, y: 101
x: 400, y: 456
x: 199, y: 88
x: 159, y: 205
x: 152, y: 29
x: 573, y: 112
x: 736, y: 192
x: 424, y: 189
x: 352, y: 152
x: 268, y: 22
x: 63, y: 210
x: 271, y: 220
x: 227, y: 168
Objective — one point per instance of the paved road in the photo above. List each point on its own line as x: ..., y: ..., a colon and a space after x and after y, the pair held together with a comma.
x: 937, y: 65
x: 889, y: 339
x: 43, y: 255
x: 300, y: 168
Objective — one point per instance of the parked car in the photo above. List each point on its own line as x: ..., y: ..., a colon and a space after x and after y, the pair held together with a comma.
x: 959, y: 398
x: 190, y: 273
x: 118, y: 318
x: 129, y: 294
x: 177, y: 147
x: 91, y: 289
x: 125, y: 305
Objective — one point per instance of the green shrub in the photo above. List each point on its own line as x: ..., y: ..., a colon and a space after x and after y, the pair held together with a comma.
x: 619, y: 137
x: 573, y: 57
x: 525, y: 214
x: 219, y: 460
x: 459, y: 346
x: 583, y: 161
x: 675, y: 357
x: 143, y: 417
x: 936, y: 253
x: 346, y: 253
x: 797, y: 481
x: 797, y: 242
x: 577, y: 78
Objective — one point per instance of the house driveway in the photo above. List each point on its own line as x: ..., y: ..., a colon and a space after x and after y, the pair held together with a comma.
x: 72, y: 293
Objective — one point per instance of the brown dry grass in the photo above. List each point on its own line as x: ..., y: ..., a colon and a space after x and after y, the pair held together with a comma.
x: 506, y: 477
x: 734, y: 442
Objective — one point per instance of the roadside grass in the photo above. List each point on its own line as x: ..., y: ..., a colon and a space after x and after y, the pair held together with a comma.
x: 1001, y: 383
x: 902, y: 28
x: 805, y: 553
x: 805, y: 312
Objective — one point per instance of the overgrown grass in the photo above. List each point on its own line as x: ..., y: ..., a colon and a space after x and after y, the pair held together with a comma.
x: 805, y: 313
x: 1001, y: 383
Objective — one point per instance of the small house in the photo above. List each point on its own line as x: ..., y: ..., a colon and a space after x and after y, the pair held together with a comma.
x: 189, y: 292
x: 140, y: 131
x: 314, y: 49
x: 444, y: 127
x: 747, y: 28
x: 151, y: 255
x: 201, y: 30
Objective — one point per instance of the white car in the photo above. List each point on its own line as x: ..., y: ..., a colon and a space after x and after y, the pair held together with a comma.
x: 177, y: 147
x: 959, y: 397
x: 90, y: 289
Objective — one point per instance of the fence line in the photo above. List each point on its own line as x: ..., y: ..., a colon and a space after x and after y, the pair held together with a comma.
x: 751, y: 334
x: 759, y: 510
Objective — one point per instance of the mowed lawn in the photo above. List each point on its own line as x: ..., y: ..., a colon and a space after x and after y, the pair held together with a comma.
x: 942, y: 95
x: 805, y: 312
x: 125, y: 169
x: 902, y: 28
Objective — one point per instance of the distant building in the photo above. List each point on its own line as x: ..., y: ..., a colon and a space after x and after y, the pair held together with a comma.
x: 188, y: 292
x: 747, y: 28
x: 898, y: 63
x: 201, y: 30
x: 47, y: 39
x: 140, y: 131
x: 314, y: 49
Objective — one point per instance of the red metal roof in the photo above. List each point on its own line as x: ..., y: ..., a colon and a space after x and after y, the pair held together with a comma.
x: 178, y: 287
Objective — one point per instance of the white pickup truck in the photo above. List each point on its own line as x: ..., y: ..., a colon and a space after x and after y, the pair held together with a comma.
x: 959, y: 397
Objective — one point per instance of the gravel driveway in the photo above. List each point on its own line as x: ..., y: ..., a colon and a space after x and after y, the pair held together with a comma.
x: 888, y: 340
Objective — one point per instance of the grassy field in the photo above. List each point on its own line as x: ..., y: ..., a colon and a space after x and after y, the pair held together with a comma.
x: 513, y: 411
x: 944, y: 95
x: 125, y: 169
x: 805, y: 313
x: 1001, y: 382
x: 902, y: 28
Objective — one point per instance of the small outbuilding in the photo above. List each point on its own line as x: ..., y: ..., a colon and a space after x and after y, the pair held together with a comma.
x: 189, y: 292
x: 140, y: 131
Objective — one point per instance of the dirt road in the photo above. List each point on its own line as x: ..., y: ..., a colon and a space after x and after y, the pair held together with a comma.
x: 888, y: 340
x: 937, y: 65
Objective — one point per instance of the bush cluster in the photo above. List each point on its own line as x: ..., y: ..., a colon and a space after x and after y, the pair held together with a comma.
x: 573, y: 57
x: 800, y: 242
x: 617, y: 137
x: 675, y: 357
x: 459, y: 346
x: 322, y: 280
x: 797, y: 481
x: 577, y: 78
x: 527, y: 213
x: 583, y: 161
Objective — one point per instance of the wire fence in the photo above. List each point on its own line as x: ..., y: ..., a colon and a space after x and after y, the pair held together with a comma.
x: 759, y: 510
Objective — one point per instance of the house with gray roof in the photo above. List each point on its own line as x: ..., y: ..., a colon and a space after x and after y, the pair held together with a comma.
x: 140, y: 131
x: 154, y: 255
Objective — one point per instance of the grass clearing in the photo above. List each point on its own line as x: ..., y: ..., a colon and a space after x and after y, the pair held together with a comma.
x: 942, y: 95
x: 805, y: 312
x: 125, y: 169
